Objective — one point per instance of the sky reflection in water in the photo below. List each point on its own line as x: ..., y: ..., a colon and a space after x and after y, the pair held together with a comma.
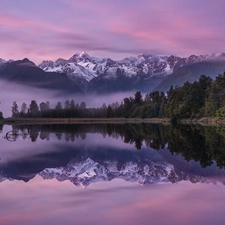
x: 118, y: 202
x: 48, y: 201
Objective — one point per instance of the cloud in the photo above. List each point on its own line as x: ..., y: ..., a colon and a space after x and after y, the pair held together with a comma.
x: 49, y: 30
x: 117, y: 202
x: 11, y: 92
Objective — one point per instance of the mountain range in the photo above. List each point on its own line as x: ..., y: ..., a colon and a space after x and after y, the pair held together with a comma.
x: 87, y: 171
x: 82, y: 73
x: 27, y: 73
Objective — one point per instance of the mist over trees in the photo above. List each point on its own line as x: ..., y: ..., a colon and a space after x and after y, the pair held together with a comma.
x: 68, y: 109
x: 203, y: 98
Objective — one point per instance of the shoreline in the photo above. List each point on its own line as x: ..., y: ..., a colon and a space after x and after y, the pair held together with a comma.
x: 165, y: 121
x: 205, y: 121
x: 36, y: 121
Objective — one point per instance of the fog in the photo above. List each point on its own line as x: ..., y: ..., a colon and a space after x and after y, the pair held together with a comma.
x: 10, y: 92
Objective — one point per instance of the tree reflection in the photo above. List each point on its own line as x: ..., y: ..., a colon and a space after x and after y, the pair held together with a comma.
x: 201, y: 144
x: 190, y: 142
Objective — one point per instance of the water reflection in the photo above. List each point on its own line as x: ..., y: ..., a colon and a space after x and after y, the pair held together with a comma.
x: 42, y: 166
x: 140, y: 153
x: 116, y: 202
x: 202, y: 144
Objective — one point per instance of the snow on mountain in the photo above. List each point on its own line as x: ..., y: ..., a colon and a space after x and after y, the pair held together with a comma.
x: 77, y: 71
x: 2, y: 179
x: 2, y: 61
x: 85, y: 172
x: 143, y: 72
x: 50, y: 66
x: 78, y: 66
x: 85, y: 67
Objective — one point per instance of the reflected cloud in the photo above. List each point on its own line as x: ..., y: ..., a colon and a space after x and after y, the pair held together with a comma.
x: 54, y: 202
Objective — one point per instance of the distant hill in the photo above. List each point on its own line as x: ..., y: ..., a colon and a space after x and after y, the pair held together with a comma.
x: 85, y: 74
x: 27, y: 73
x: 192, y: 73
x: 104, y: 75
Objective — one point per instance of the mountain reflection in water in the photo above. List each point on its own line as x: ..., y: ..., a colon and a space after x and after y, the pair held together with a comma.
x: 140, y: 153
x: 181, y: 164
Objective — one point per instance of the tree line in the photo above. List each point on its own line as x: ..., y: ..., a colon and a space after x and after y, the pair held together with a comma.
x: 203, y: 98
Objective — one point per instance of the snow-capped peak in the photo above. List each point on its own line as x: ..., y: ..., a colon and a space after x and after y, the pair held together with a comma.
x: 2, y: 61
x: 218, y: 56
x: 78, y: 57
x: 83, y: 173
x: 84, y: 55
x: 83, y: 67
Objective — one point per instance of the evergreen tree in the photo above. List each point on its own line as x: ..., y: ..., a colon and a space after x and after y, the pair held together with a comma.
x: 23, y: 110
x: 82, y: 105
x: 83, y: 111
x: 67, y: 104
x: 33, y: 110
x: 103, y: 110
x: 1, y: 115
x: 59, y: 110
x: 128, y: 103
x: 44, y: 107
x: 138, y: 98
x: 216, y: 96
x: 58, y: 106
x: 72, y: 104
x: 109, y: 112
x: 15, y: 111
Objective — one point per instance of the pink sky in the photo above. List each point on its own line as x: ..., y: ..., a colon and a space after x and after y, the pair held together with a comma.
x: 49, y: 29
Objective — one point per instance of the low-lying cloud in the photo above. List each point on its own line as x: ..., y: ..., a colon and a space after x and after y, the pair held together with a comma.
x: 10, y: 92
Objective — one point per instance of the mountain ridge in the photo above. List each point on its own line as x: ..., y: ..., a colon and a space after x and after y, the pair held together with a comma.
x: 25, y: 72
x: 88, y: 171
x: 144, y: 72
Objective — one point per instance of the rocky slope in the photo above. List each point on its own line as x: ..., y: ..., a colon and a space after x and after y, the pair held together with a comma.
x: 191, y: 73
x: 88, y: 74
x: 27, y: 73
x: 143, y: 72
x: 85, y: 172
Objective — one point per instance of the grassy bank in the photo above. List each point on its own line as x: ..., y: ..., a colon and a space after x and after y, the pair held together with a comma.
x: 21, y: 121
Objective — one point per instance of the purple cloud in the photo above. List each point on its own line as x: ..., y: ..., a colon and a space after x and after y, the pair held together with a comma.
x: 52, y: 29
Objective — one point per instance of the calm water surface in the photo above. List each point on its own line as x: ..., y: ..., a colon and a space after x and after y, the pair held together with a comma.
x: 112, y: 174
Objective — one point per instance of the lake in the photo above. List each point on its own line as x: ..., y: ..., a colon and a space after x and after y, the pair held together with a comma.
x: 112, y: 174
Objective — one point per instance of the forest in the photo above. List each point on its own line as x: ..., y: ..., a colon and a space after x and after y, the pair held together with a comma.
x: 203, y: 98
